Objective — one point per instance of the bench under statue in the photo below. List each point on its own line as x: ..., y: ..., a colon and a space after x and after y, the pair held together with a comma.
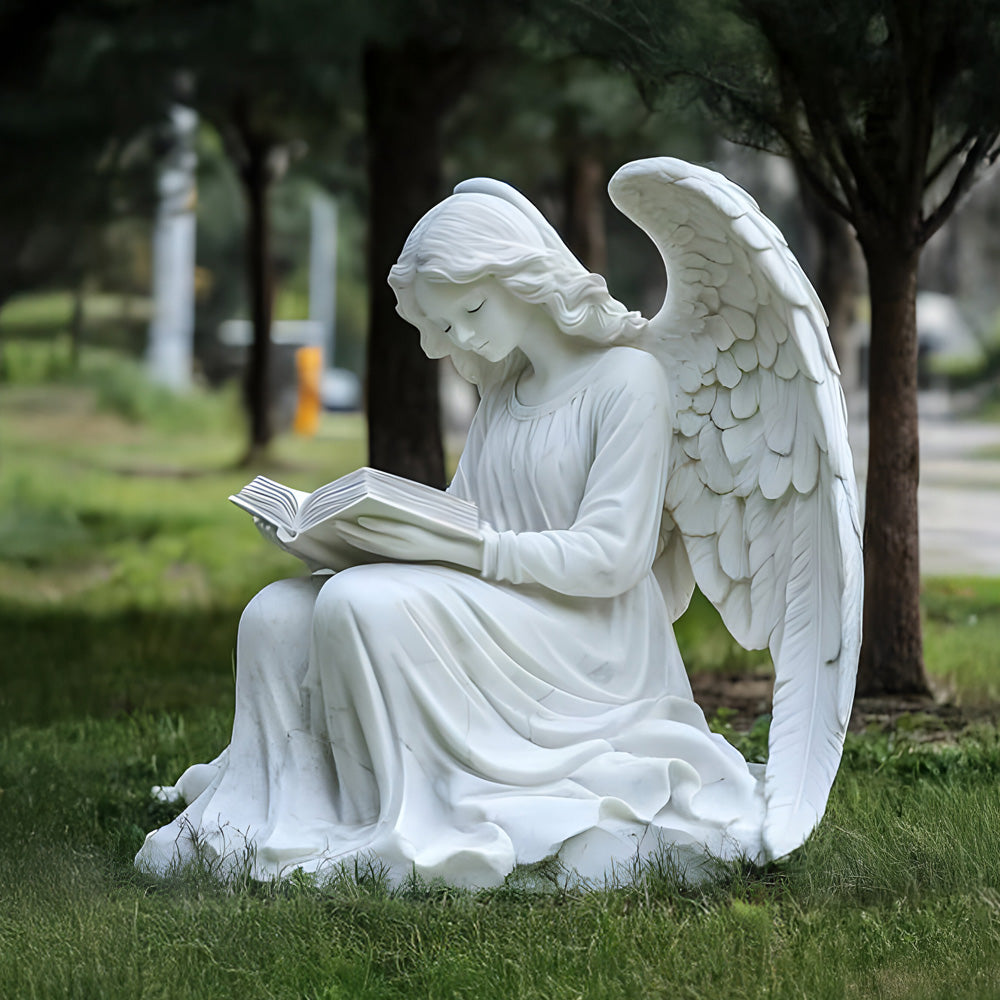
x: 463, y: 705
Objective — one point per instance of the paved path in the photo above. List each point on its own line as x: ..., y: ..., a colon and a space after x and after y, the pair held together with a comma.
x: 959, y: 489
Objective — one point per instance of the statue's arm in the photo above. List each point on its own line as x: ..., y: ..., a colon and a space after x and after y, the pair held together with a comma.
x: 613, y: 541
x: 411, y: 543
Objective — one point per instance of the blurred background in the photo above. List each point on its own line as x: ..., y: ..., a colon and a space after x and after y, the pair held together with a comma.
x: 199, y: 203
x: 198, y: 206
x: 182, y: 182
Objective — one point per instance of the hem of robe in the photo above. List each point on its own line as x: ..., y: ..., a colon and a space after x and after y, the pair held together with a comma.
x: 595, y: 839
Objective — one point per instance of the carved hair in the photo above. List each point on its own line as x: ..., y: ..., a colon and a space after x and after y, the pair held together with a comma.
x: 487, y: 229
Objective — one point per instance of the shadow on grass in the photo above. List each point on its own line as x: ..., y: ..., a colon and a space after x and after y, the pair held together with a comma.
x: 69, y: 664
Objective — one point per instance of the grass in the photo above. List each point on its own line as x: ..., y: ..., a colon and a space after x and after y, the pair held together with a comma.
x: 51, y: 310
x: 990, y: 452
x: 962, y: 637
x: 896, y: 895
x: 35, y: 329
x: 122, y: 567
x: 122, y: 574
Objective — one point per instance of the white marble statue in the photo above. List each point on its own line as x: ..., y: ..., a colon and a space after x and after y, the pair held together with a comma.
x: 479, y: 704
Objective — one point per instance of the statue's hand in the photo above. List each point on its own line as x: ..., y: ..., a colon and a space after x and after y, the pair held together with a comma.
x: 270, y: 532
x: 410, y: 543
x: 267, y: 530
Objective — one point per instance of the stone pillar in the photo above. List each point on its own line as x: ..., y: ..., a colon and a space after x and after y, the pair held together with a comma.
x: 171, y: 332
x: 323, y: 271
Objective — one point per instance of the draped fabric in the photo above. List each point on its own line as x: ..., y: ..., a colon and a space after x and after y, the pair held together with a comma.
x: 457, y: 724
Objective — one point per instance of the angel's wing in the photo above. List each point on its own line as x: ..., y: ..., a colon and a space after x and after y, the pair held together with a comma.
x: 761, y: 485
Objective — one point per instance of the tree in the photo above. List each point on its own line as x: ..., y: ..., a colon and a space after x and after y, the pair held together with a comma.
x: 419, y: 62
x: 65, y: 126
x: 277, y: 77
x: 409, y: 88
x: 889, y: 110
x: 277, y: 80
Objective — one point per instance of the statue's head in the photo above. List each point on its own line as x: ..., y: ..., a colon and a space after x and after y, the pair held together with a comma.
x: 489, y: 230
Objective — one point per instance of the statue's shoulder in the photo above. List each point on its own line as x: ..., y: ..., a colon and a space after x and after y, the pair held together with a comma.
x: 632, y: 369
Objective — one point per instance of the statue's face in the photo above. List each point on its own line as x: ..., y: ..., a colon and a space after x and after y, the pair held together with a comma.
x: 479, y: 316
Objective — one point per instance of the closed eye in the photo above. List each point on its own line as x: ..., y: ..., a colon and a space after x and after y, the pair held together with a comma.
x: 480, y: 306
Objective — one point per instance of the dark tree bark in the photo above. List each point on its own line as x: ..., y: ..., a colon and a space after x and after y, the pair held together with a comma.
x: 408, y: 91
x: 892, y: 649
x: 835, y: 275
x: 585, y: 186
x: 256, y: 178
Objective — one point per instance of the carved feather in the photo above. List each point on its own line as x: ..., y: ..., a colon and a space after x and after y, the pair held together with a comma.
x: 762, y: 488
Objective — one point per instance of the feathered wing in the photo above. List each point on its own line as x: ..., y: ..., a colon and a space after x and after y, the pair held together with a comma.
x: 761, y: 486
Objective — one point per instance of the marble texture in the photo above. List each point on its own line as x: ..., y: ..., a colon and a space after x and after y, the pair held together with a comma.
x: 472, y: 706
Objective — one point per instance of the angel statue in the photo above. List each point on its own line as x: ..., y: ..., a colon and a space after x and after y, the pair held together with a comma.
x: 462, y: 706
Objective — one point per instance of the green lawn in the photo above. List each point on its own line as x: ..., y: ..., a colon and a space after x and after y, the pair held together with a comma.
x: 122, y: 574
x: 123, y: 568
x: 896, y: 895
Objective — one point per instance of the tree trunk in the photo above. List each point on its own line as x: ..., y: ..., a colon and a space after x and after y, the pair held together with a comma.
x: 255, y: 175
x: 407, y: 92
x: 837, y: 281
x: 892, y: 647
x: 585, y: 187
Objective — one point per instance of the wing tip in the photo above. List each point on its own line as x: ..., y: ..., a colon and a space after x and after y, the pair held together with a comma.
x: 785, y: 831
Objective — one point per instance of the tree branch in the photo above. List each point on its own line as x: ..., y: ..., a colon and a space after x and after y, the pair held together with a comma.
x: 640, y: 40
x: 823, y: 111
x: 939, y: 168
x: 820, y: 187
x: 963, y: 181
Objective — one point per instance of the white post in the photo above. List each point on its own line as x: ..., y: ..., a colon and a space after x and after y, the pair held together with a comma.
x: 171, y: 332
x: 323, y: 271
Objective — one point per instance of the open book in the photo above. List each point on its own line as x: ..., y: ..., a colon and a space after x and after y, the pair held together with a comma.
x: 306, y: 523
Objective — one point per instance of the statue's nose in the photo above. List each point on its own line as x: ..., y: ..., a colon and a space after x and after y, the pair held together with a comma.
x: 461, y: 333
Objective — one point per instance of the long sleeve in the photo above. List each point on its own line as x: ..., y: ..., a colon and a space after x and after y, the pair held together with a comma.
x: 612, y: 542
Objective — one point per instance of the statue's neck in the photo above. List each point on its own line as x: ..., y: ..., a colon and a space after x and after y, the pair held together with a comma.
x: 541, y: 383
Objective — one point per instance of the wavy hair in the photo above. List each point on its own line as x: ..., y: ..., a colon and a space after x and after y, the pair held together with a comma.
x: 488, y: 229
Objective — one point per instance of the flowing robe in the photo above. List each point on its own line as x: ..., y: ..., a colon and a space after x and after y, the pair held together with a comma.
x: 456, y: 724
